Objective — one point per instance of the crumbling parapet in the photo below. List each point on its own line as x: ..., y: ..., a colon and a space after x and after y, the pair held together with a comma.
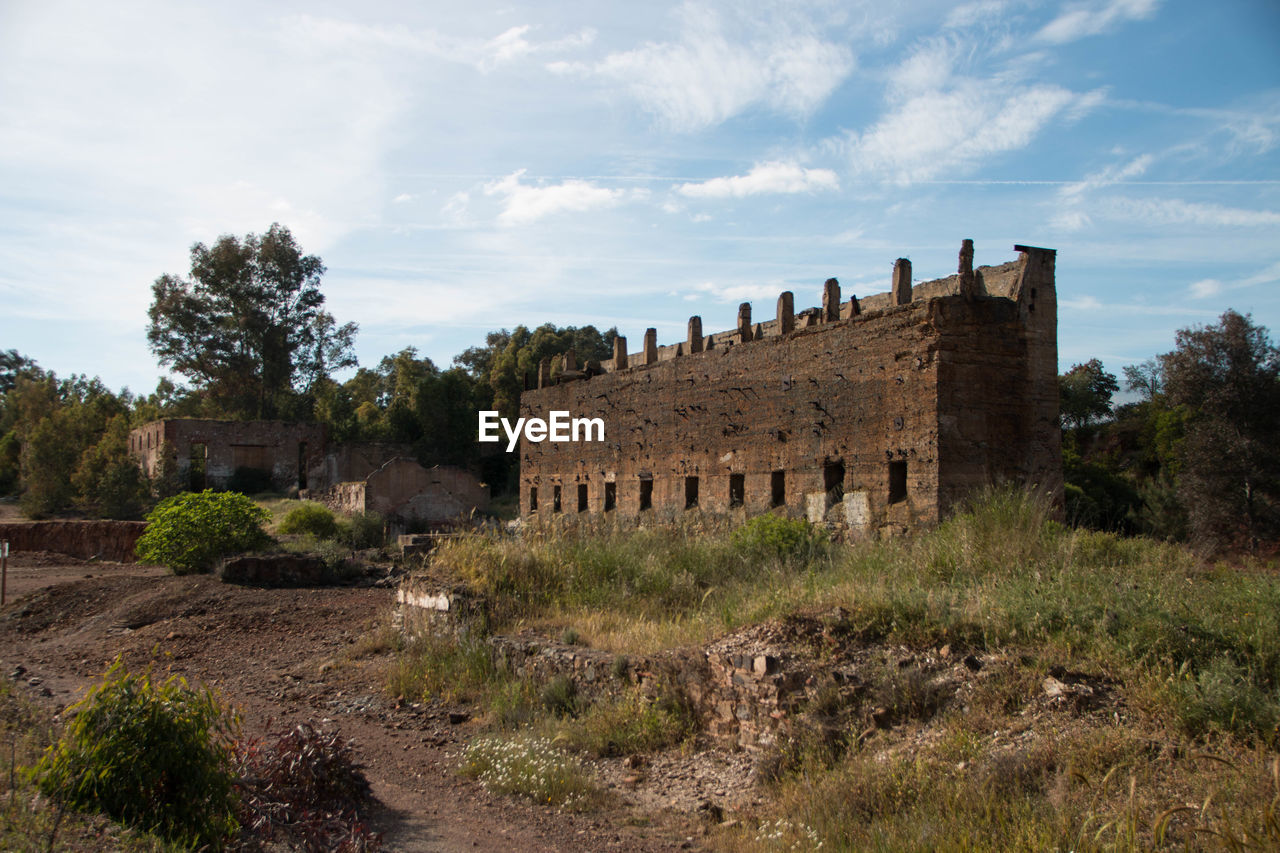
x: 830, y: 301
x: 695, y: 335
x: 902, y: 281
x: 968, y: 281
x: 786, y: 313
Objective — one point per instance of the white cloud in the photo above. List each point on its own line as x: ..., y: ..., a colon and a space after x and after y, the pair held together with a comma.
x: 775, y: 177
x: 482, y: 54
x: 1070, y: 220
x: 1264, y: 276
x: 403, y: 198
x: 1205, y: 288
x: 1109, y: 175
x: 523, y: 204
x: 1084, y: 303
x: 969, y: 14
x: 739, y: 292
x: 929, y: 67
x: 1209, y: 287
x: 1078, y: 20
x: 938, y: 132
x: 1175, y: 211
x: 706, y: 77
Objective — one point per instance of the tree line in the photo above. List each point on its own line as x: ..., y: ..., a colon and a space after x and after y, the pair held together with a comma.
x: 248, y: 334
x: 1193, y: 454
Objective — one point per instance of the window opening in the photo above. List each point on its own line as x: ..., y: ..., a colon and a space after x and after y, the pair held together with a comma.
x: 737, y: 490
x: 897, y: 482
x: 778, y: 489
x: 690, y: 492
x: 833, y: 480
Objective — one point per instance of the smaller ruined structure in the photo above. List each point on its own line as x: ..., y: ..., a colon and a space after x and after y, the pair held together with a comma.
x: 405, y: 492
x: 208, y: 453
x: 351, y: 477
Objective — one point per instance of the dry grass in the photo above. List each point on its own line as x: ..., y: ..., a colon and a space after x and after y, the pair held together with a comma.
x: 1182, y: 755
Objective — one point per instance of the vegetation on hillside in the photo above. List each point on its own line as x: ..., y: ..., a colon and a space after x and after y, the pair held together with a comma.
x: 1187, y: 652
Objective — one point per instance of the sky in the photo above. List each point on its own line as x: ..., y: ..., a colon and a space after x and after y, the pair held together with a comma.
x: 462, y: 168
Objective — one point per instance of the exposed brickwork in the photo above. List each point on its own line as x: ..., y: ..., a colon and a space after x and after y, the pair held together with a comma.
x: 102, y: 540
x: 879, y: 420
x: 212, y: 450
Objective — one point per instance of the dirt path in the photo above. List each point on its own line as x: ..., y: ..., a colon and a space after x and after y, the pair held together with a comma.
x: 290, y: 656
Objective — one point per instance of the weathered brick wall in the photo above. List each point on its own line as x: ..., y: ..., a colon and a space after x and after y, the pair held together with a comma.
x: 103, y: 540
x: 289, y: 450
x: 879, y: 420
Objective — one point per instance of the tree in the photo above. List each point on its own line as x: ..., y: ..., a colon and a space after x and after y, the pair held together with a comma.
x: 14, y: 365
x: 248, y: 327
x: 522, y: 351
x: 1085, y: 394
x: 1227, y: 379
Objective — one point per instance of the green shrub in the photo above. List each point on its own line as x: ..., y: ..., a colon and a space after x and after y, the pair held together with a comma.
x: 560, y: 696
x: 456, y: 669
x: 363, y: 530
x: 191, y: 531
x: 316, y: 519
x: 631, y: 723
x: 772, y: 536
x: 155, y: 755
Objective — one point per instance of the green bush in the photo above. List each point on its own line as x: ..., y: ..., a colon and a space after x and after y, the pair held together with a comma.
x: 191, y: 531
x: 631, y: 723
x: 363, y: 530
x: 772, y: 536
x: 154, y: 755
x: 316, y: 519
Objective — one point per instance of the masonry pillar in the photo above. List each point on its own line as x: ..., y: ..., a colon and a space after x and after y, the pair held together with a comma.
x: 650, y: 346
x: 744, y: 321
x: 619, y: 353
x: 901, y: 281
x: 968, y: 281
x: 695, y: 335
x: 854, y: 308
x: 544, y: 373
x: 570, y: 361
x: 786, y: 312
x: 830, y: 301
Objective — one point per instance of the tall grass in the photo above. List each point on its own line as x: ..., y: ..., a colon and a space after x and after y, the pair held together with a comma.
x: 1204, y: 641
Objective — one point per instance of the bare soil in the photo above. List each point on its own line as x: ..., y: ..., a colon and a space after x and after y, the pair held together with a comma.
x: 287, y: 656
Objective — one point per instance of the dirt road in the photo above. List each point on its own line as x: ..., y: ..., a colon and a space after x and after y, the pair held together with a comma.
x: 289, y: 656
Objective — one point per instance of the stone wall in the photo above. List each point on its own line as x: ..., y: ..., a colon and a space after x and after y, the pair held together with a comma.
x: 402, y: 489
x: 875, y: 414
x: 208, y: 452
x: 743, y: 689
x: 103, y: 540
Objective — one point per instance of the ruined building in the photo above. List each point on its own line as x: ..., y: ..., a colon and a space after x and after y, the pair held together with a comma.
x: 207, y: 453
x: 875, y: 414
x: 352, y: 477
